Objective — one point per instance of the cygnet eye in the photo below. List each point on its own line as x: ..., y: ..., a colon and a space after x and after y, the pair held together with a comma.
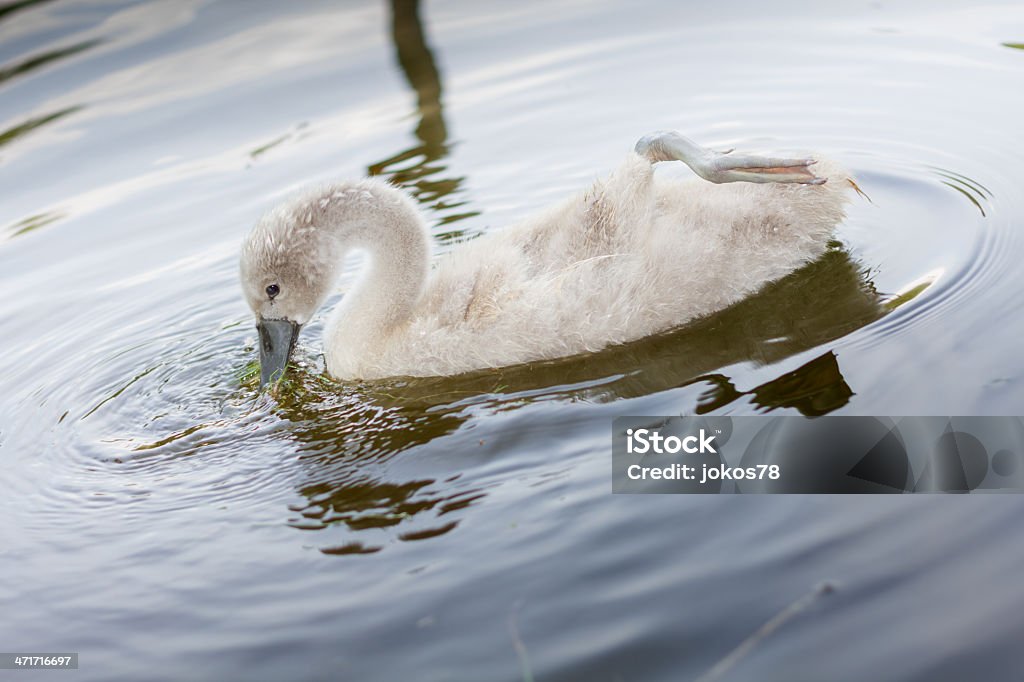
x: 273, y: 290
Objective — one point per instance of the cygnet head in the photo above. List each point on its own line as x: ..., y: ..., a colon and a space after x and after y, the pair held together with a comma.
x: 287, y: 268
x: 291, y: 259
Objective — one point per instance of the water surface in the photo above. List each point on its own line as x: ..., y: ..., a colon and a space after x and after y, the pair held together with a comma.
x: 164, y: 519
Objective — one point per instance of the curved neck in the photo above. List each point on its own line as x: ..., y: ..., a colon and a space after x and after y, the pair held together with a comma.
x: 383, y: 222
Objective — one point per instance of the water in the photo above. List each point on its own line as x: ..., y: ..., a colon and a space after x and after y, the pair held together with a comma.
x: 165, y: 520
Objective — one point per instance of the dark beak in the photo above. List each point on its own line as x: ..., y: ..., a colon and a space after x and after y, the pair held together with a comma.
x: 277, y: 340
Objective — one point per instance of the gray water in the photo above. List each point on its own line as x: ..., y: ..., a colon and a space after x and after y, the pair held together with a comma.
x: 166, y: 521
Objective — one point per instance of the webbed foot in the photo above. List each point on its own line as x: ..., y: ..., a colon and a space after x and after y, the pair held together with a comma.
x: 719, y: 167
x: 750, y: 168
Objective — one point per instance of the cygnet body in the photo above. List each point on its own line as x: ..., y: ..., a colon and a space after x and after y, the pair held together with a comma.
x: 631, y: 256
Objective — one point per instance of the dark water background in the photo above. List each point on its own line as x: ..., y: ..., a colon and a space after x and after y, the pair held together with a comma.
x: 160, y: 517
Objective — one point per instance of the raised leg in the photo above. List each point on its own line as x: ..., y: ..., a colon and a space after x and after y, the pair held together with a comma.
x: 721, y: 167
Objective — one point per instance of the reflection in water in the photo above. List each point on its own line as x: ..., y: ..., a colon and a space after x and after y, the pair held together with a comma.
x: 814, y: 389
x: 29, y: 65
x: 32, y: 63
x: 33, y: 222
x: 349, y: 437
x: 12, y: 134
x: 296, y: 133
x: 355, y: 438
x: 10, y: 8
x: 418, y: 168
x: 974, y: 191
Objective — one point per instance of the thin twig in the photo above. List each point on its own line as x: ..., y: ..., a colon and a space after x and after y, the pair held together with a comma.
x: 517, y: 643
x: 780, y: 619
